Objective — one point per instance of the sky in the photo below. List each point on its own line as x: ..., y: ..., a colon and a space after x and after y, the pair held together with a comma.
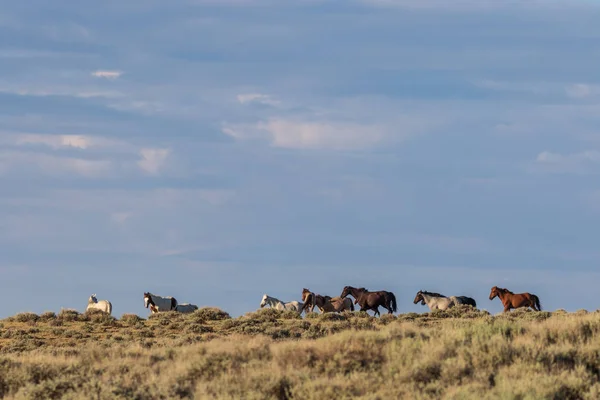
x: 215, y: 151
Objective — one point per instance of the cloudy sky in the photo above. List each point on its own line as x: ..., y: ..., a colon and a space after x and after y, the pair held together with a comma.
x: 218, y: 150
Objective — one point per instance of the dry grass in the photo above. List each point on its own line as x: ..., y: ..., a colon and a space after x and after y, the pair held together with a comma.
x: 461, y: 354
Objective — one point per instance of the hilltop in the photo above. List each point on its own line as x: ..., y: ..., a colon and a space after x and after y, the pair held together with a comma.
x: 462, y: 354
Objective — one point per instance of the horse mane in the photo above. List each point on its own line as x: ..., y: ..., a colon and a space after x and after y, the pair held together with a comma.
x: 505, y: 290
x: 433, y: 294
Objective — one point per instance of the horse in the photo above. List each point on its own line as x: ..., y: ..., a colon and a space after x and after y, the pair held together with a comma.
x: 280, y: 305
x: 466, y: 300
x: 371, y: 300
x: 510, y: 300
x: 186, y: 308
x: 102, y: 305
x: 161, y: 304
x: 308, y: 298
x: 434, y: 301
x: 325, y: 303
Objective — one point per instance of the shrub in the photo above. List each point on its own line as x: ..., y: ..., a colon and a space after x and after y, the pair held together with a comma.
x: 48, y: 316
x: 99, y: 317
x: 26, y: 317
x: 198, y: 329
x: 166, y: 316
x: 131, y: 319
x: 68, y: 315
x: 331, y: 316
x: 387, y: 318
x: 209, y: 314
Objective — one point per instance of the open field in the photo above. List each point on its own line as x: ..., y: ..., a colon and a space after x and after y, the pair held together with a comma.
x: 461, y: 354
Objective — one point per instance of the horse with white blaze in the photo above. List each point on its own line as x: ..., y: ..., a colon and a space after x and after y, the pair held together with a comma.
x: 102, y: 305
x: 160, y: 303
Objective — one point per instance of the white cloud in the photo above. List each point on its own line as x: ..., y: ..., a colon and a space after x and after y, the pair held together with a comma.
x: 310, y: 135
x: 54, y: 141
x: 52, y: 165
x: 62, y: 141
x: 153, y: 160
x: 581, y: 90
x: 573, y: 163
x: 257, y: 98
x: 548, y: 157
x: 107, y: 74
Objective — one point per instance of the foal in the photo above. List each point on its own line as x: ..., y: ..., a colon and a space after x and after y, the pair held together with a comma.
x: 510, y: 300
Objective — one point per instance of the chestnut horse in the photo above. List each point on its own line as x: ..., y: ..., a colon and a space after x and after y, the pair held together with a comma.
x: 510, y: 300
x: 371, y: 300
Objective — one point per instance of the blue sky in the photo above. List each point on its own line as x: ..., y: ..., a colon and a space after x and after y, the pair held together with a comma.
x: 219, y: 150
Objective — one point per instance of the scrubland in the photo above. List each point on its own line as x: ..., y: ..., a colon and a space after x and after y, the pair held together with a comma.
x: 461, y: 354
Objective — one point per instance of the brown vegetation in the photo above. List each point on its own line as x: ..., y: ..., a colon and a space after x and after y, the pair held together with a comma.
x: 458, y: 354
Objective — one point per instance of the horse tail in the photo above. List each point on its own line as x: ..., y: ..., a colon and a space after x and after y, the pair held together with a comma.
x: 173, y: 303
x: 473, y: 303
x: 351, y: 306
x: 537, y: 302
x: 392, y: 301
x: 109, y: 307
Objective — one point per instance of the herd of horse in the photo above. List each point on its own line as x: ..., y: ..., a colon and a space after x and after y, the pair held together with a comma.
x: 365, y: 299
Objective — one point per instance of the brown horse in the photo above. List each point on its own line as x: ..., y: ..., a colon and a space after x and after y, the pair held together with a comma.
x: 325, y: 303
x: 371, y: 300
x: 308, y: 298
x: 510, y: 300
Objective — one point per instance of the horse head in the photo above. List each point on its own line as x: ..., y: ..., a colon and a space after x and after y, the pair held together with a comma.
x: 263, y: 301
x: 305, y: 294
x: 347, y: 290
x: 148, y: 299
x: 495, y: 292
x: 419, y: 297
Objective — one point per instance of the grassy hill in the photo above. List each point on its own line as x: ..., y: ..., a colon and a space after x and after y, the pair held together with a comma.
x: 462, y: 354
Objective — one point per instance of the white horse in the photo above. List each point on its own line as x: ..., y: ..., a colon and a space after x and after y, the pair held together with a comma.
x: 280, y: 305
x: 102, y: 305
x: 160, y: 303
x: 435, y: 301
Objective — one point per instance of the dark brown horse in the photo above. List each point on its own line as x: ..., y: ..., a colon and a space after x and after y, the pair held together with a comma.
x: 510, y: 300
x: 371, y: 300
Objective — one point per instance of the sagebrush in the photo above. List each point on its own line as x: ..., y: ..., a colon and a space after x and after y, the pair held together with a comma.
x: 459, y: 354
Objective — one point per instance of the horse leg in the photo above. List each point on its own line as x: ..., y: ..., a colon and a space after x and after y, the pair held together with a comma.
x: 507, y: 308
x: 388, y: 306
x: 532, y: 305
x: 376, y: 309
